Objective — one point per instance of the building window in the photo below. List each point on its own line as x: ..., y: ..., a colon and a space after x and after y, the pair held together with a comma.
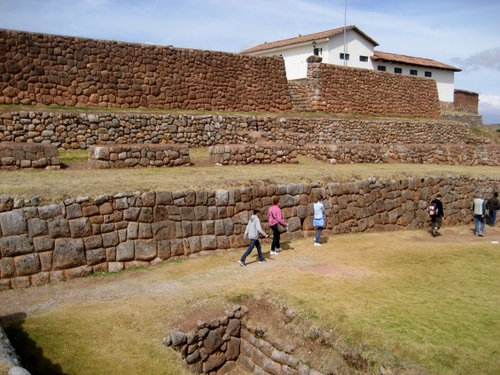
x: 413, y: 72
x: 344, y: 56
x: 428, y: 74
x: 363, y: 58
x: 398, y: 70
x: 381, y: 68
x: 318, y: 51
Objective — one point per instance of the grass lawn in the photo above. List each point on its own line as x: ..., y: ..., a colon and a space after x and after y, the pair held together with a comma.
x: 402, y: 299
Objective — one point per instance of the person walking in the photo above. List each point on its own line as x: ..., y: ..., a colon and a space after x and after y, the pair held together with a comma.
x: 479, y: 208
x: 252, y: 231
x: 493, y: 205
x: 275, y: 217
x: 438, y: 216
x: 319, y: 219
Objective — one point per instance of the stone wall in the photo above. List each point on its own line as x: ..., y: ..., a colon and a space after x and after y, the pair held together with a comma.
x: 466, y: 101
x: 338, y: 89
x: 253, y: 154
x: 73, y: 130
x: 69, y: 71
x: 139, y: 155
x: 80, y: 236
x: 218, y: 346
x: 28, y: 155
x: 467, y: 118
x: 9, y: 360
x: 465, y: 154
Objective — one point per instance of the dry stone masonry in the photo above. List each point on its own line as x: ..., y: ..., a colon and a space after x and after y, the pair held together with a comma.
x: 139, y: 155
x: 253, y: 154
x: 28, y: 155
x: 40, y: 244
x: 41, y: 69
x: 73, y: 130
x: 219, y: 346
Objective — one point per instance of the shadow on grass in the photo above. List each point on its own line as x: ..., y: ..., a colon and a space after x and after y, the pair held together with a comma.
x: 30, y: 354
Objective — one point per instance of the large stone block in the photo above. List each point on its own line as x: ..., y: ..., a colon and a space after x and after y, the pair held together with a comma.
x: 145, y: 249
x: 15, y: 245
x: 27, y: 264
x: 13, y: 223
x: 125, y: 251
x: 68, y: 253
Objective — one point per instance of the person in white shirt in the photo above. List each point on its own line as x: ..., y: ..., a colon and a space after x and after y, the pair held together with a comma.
x: 479, y: 208
x: 252, y: 232
x: 319, y: 219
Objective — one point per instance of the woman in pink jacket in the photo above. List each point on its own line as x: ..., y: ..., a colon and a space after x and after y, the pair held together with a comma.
x: 275, y: 217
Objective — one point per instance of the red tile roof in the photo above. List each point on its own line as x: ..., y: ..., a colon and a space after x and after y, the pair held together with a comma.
x: 403, y: 59
x: 306, y: 38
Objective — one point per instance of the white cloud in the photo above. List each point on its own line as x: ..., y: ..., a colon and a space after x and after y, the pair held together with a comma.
x: 489, y: 108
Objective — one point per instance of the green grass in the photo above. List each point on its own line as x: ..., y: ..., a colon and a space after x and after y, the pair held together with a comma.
x: 400, y: 299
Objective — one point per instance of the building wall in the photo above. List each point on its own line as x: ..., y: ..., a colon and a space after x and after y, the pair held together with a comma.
x: 68, y: 71
x: 466, y: 101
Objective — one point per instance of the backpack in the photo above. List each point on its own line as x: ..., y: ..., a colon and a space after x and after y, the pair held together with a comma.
x: 432, y: 209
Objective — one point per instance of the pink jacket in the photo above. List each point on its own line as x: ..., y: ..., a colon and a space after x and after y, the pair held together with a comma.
x: 275, y: 216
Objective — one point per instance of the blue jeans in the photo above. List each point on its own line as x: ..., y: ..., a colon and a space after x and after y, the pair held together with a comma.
x: 318, y: 234
x: 479, y: 223
x: 255, y: 243
x: 493, y: 216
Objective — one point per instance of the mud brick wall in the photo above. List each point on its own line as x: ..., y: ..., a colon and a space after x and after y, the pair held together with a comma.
x: 338, y: 89
x: 222, y: 344
x: 72, y: 130
x: 28, y: 155
x: 253, y: 154
x: 466, y: 101
x: 40, y: 244
x: 139, y: 155
x: 69, y: 71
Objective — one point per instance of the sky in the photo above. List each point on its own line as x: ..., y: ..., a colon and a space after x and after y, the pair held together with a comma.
x: 461, y: 33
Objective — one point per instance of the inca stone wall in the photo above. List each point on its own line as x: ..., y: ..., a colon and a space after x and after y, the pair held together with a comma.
x: 28, y: 155
x: 338, y: 89
x: 72, y: 130
x: 9, y: 360
x: 218, y: 346
x: 139, y: 155
x: 68, y: 71
x: 40, y: 244
x: 253, y: 154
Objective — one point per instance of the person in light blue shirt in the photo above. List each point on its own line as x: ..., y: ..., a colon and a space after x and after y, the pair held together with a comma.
x: 319, y: 219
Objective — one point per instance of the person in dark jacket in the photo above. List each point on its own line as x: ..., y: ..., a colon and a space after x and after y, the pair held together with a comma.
x: 493, y: 205
x: 437, y: 218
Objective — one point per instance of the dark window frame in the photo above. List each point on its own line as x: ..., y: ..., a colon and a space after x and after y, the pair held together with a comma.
x: 344, y: 56
x: 398, y: 70
x: 381, y: 68
x: 413, y: 72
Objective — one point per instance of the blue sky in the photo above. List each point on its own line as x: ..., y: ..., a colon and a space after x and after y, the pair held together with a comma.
x: 462, y: 33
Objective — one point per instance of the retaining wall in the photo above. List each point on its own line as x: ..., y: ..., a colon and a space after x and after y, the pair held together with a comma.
x: 68, y: 71
x: 28, y: 155
x: 77, y: 237
x: 9, y: 360
x: 253, y: 154
x: 218, y: 346
x: 72, y: 130
x: 452, y: 154
x: 139, y: 155
x: 339, y: 89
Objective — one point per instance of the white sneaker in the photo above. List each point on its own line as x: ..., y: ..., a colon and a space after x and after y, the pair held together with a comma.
x: 317, y: 244
x: 279, y: 249
x: 273, y: 252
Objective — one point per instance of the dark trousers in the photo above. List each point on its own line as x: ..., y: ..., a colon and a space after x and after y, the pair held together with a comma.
x: 276, y: 237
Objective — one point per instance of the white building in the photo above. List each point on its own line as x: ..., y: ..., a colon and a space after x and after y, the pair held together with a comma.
x: 349, y: 46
